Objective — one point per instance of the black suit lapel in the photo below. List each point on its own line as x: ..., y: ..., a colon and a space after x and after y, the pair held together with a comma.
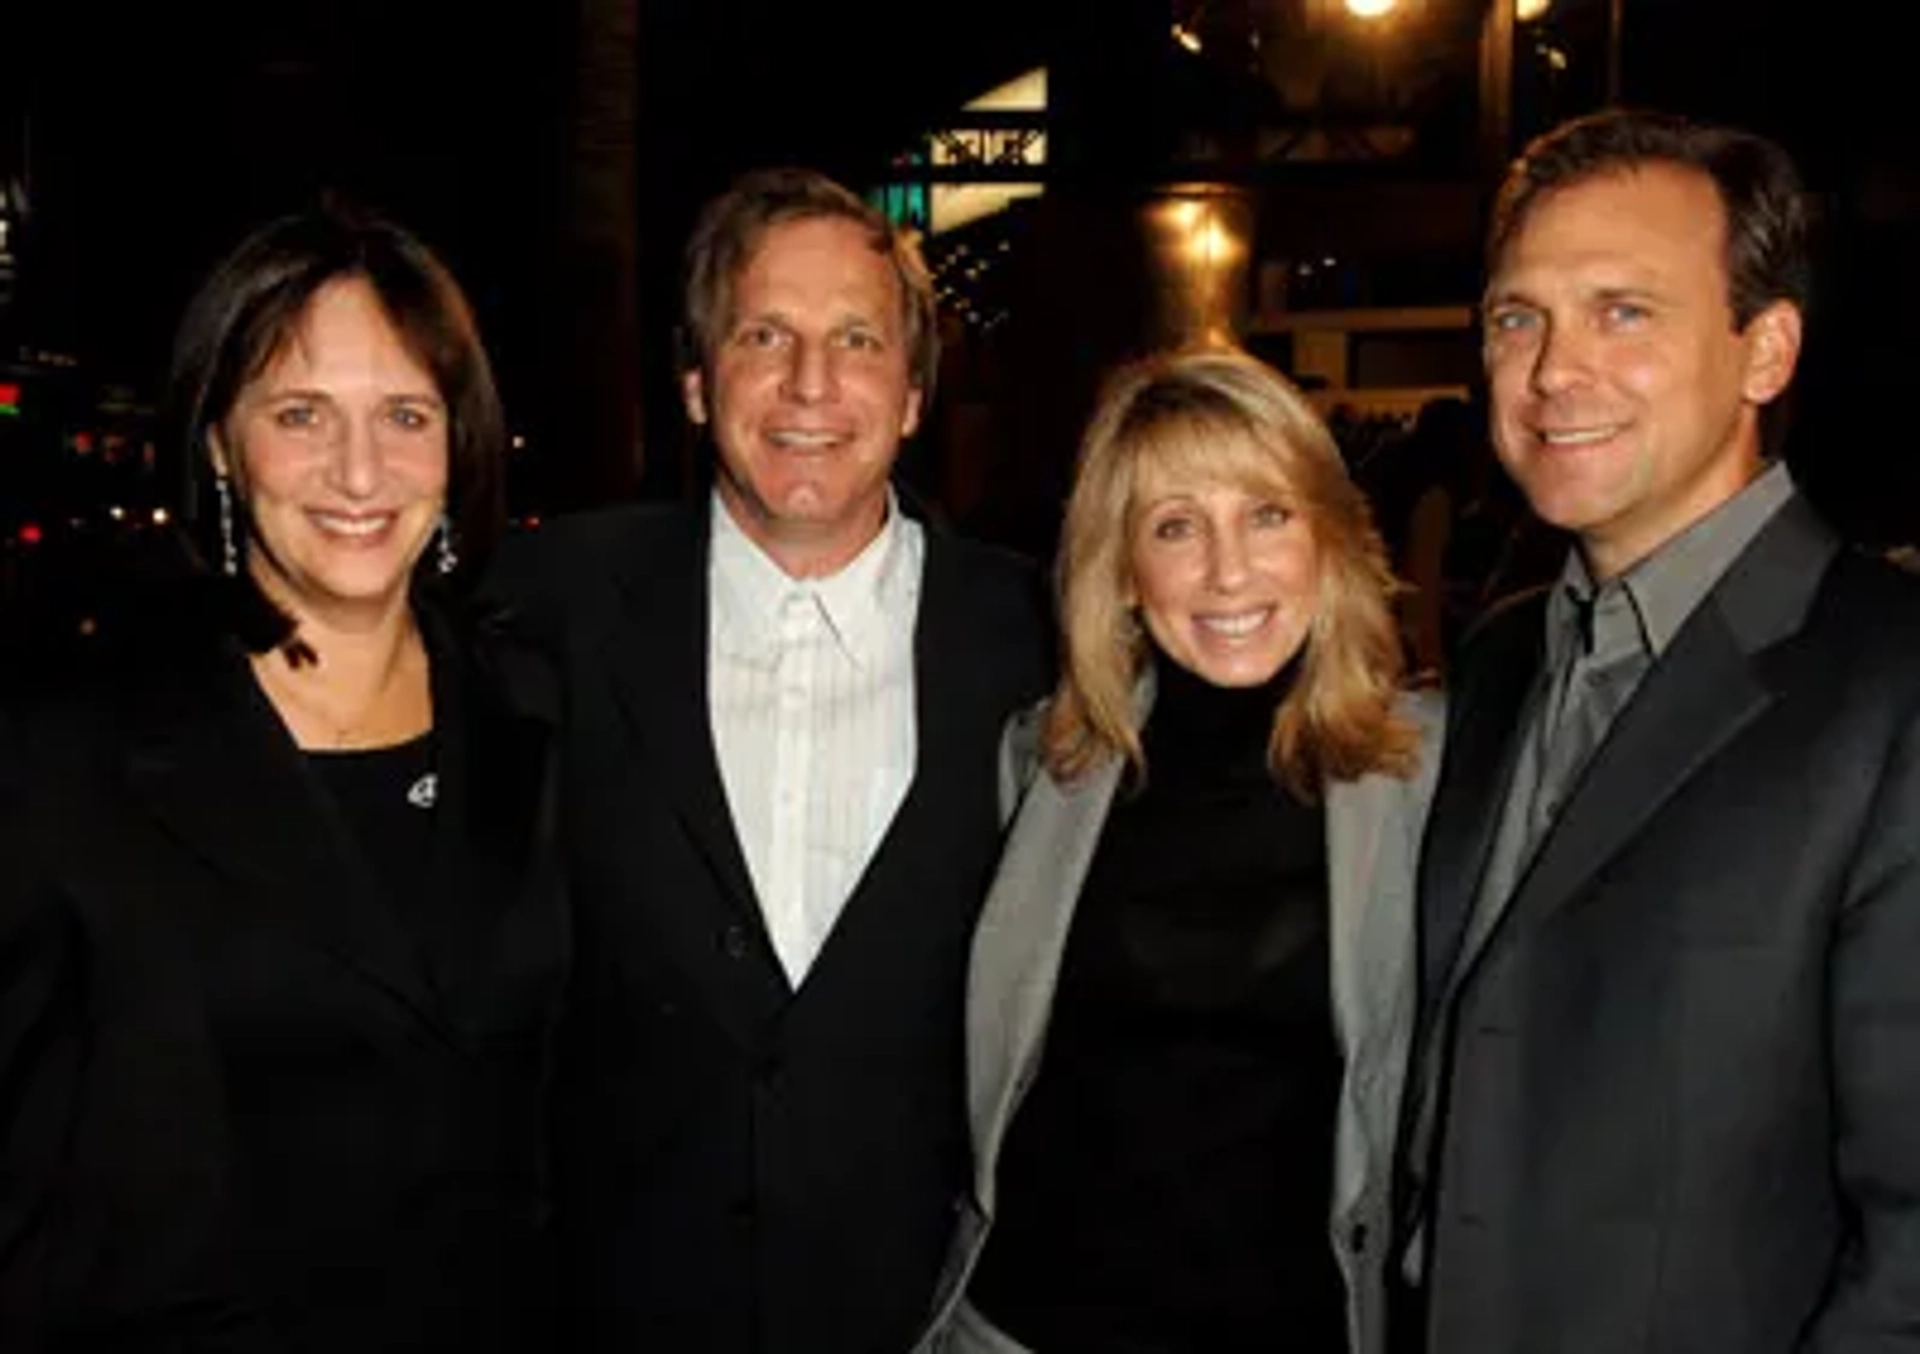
x: 658, y: 665
x: 216, y: 771
x: 945, y: 706
x: 656, y: 662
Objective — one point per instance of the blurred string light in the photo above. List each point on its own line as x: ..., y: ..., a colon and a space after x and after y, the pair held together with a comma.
x: 1371, y: 9
x: 1526, y: 11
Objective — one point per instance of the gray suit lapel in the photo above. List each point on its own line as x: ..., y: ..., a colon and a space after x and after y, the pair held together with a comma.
x: 1355, y: 829
x: 1373, y: 843
x: 1704, y: 690
x: 1017, y: 948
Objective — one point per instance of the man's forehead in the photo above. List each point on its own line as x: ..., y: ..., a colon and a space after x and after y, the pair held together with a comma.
x: 1634, y: 226
x: 847, y: 277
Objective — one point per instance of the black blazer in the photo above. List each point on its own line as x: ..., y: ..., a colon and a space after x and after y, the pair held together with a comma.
x: 1681, y: 1077
x: 259, y: 1102
x: 743, y: 1167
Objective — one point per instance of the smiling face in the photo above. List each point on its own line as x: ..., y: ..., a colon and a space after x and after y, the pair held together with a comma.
x: 339, y: 451
x: 1625, y: 402
x: 1226, y: 576
x: 808, y: 393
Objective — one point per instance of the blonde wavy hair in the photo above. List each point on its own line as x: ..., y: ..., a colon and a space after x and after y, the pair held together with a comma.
x: 1225, y: 416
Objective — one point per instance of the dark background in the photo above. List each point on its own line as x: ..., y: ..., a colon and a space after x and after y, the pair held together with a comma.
x: 555, y: 154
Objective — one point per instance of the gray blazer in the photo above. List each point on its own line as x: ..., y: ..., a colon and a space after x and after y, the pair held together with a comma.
x: 1373, y: 838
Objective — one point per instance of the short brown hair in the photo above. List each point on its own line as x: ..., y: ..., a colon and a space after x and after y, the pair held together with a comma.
x: 1227, y: 413
x: 248, y: 310
x: 1767, y: 254
x: 732, y: 226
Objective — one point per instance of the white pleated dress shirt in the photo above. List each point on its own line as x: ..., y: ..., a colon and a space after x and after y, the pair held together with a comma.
x: 810, y: 694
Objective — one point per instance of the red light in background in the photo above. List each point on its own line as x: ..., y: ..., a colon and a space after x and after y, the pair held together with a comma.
x: 30, y: 533
x: 9, y: 399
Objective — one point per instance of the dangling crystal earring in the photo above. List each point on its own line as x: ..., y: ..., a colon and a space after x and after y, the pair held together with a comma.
x: 229, y: 554
x: 445, y: 560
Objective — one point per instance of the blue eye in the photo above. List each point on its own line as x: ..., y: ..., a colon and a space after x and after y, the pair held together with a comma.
x: 411, y: 418
x: 295, y: 416
x: 1510, y: 320
x: 1625, y: 312
x: 1272, y: 515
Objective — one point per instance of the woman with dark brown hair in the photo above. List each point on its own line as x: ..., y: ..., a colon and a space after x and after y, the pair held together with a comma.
x: 290, y: 864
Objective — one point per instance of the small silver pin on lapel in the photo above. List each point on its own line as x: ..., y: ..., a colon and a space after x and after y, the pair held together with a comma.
x: 424, y: 791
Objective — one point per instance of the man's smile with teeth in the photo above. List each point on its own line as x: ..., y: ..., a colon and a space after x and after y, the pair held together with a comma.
x: 1578, y: 437
x: 804, y: 439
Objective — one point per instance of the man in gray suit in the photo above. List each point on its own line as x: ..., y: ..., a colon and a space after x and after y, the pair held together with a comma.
x: 1665, y: 1094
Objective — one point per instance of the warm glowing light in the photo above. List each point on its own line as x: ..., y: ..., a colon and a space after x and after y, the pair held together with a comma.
x: 1186, y: 37
x: 1526, y: 11
x: 1024, y: 92
x: 1209, y: 243
x: 1370, y: 9
x: 161, y: 517
x: 953, y: 205
x: 1184, y: 215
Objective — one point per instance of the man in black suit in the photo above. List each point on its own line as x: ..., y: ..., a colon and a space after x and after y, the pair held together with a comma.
x: 784, y: 706
x: 1665, y: 1094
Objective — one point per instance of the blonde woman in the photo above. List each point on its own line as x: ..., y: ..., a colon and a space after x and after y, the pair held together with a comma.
x: 1191, y: 982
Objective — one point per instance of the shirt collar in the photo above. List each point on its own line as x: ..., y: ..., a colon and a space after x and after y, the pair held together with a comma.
x: 860, y: 603
x: 1656, y: 595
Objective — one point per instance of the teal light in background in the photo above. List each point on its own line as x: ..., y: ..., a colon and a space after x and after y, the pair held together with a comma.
x: 905, y: 204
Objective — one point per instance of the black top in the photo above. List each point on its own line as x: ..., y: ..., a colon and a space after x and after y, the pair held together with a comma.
x: 250, y: 1106
x: 1165, y: 1186
x: 386, y: 797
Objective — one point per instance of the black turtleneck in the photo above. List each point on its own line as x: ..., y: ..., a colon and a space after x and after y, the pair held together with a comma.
x: 1166, y: 1182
